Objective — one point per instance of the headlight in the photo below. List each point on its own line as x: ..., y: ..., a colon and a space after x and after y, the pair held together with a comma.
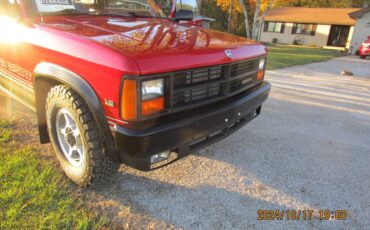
x: 262, y: 64
x: 152, y: 97
x: 152, y: 89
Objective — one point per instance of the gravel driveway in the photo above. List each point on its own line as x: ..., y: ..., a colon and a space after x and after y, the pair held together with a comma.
x: 308, y: 150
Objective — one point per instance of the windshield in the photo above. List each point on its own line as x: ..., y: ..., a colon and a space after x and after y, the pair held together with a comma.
x: 144, y: 8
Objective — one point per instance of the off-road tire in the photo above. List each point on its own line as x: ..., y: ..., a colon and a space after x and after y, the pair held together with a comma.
x: 97, y: 167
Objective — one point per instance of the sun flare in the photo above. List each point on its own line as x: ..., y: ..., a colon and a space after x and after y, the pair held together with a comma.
x: 13, y: 30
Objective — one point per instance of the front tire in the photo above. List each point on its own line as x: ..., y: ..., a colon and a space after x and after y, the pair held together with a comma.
x: 76, y: 138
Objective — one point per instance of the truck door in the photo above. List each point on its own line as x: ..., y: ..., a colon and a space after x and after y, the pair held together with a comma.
x: 14, y: 79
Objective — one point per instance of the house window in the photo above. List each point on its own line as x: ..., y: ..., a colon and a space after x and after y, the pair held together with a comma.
x: 307, y: 29
x: 275, y: 27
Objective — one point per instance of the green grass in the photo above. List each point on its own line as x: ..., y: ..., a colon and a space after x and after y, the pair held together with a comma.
x: 5, y: 131
x: 34, y: 195
x: 281, y: 56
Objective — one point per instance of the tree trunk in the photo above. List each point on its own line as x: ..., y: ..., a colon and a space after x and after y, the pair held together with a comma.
x: 262, y: 18
x: 255, y: 20
x: 246, y: 19
x: 230, y: 16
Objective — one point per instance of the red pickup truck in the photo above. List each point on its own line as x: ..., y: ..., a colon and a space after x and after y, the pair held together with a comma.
x: 122, y: 81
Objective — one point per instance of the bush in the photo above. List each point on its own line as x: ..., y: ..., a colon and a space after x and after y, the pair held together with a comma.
x: 275, y: 40
x: 345, y: 50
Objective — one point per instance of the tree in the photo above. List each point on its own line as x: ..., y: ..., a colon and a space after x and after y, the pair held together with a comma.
x: 255, y: 19
x: 318, y: 3
x: 209, y: 8
x: 251, y: 10
x: 260, y: 13
x: 238, y: 6
x: 246, y: 17
x: 231, y: 10
x: 360, y: 3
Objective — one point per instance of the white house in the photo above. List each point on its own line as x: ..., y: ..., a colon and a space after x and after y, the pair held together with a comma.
x: 362, y: 28
x: 320, y: 27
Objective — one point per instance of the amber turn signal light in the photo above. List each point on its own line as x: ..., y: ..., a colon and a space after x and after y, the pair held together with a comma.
x: 153, y: 106
x: 129, y: 100
x: 260, y: 75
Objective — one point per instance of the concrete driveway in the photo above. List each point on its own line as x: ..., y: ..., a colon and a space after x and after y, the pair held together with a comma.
x: 309, y: 150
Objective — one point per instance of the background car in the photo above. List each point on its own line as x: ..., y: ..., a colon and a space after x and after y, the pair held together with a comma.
x: 365, y: 48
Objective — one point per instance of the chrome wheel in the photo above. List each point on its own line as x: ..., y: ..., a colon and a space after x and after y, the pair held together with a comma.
x: 69, y: 138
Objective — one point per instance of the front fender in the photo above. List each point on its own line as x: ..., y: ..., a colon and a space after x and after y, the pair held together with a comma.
x: 47, y: 75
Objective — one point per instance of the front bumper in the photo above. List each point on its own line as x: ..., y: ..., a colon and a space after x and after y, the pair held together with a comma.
x: 191, y: 134
x: 365, y: 52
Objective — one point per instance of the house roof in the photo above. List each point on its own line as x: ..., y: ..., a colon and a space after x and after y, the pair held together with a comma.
x: 327, y: 16
x: 359, y: 13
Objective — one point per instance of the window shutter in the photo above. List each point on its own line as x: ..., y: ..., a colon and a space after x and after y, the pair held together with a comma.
x: 314, y: 28
x: 282, y: 28
x: 294, y: 29
x: 266, y: 27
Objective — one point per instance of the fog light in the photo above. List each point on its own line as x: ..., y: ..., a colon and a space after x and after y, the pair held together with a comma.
x: 160, y: 157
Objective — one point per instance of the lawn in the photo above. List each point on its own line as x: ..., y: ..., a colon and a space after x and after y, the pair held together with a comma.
x: 281, y: 56
x: 35, y: 195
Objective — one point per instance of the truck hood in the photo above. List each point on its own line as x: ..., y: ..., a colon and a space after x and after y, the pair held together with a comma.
x: 159, y: 45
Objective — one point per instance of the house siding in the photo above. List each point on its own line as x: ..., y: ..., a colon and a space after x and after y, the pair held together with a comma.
x: 320, y: 39
x: 361, y: 32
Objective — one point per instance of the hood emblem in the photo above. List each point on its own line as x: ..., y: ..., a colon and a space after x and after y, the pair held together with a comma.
x: 228, y: 53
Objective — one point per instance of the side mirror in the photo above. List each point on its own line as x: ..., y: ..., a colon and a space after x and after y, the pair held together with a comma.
x: 183, y: 15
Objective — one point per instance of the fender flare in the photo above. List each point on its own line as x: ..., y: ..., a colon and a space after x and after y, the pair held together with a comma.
x: 64, y: 76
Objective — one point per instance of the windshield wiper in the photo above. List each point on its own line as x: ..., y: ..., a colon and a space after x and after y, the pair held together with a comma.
x: 138, y: 15
x: 126, y: 14
x: 69, y: 12
x: 113, y: 14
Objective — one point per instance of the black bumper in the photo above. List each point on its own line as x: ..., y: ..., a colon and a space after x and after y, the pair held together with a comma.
x: 191, y: 134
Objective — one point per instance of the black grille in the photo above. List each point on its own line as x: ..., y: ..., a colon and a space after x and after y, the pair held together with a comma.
x: 197, y: 86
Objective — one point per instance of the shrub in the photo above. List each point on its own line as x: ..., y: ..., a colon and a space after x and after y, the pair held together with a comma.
x: 274, y: 40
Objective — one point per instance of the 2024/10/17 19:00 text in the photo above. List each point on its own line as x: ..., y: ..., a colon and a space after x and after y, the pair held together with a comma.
x: 301, y: 214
